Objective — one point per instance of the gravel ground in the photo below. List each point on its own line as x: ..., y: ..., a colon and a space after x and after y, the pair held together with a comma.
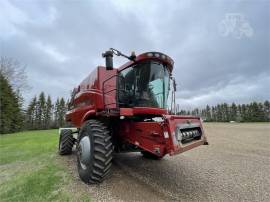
x: 234, y: 167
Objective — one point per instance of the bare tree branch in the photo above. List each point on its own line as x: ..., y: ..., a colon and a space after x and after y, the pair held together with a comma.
x: 15, y: 73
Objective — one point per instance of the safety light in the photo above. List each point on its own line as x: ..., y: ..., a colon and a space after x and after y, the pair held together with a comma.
x: 160, y: 56
x: 157, y: 55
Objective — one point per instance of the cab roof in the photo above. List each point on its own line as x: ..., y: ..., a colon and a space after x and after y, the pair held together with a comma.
x: 157, y: 56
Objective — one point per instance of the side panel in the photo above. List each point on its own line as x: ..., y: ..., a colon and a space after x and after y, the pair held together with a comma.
x: 83, y: 104
x: 89, y: 98
x: 91, y: 82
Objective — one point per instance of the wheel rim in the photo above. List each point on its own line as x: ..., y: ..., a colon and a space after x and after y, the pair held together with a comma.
x: 84, y: 151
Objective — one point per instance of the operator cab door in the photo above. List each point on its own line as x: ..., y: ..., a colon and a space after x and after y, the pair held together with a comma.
x: 144, y: 85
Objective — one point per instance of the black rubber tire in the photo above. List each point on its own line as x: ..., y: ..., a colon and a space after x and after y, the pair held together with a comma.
x: 66, y: 142
x: 149, y: 155
x: 99, y: 163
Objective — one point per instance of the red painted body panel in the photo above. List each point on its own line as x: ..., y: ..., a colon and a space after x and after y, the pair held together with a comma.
x: 146, y: 135
x: 89, y: 96
x: 96, y: 97
x: 142, y: 110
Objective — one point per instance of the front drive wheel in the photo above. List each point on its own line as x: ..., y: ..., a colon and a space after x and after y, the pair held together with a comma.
x: 94, y: 152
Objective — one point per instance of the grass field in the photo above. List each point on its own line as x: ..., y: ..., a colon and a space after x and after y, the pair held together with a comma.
x: 30, y: 169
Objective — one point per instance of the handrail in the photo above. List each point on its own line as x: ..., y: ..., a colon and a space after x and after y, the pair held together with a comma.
x: 104, y: 93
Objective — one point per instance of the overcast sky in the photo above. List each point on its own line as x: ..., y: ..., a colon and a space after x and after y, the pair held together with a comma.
x: 220, y: 48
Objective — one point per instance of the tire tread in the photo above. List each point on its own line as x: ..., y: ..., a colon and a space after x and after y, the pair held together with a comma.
x: 102, y: 151
x: 67, y: 141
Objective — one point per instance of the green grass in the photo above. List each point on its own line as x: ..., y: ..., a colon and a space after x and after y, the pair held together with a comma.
x: 30, y: 169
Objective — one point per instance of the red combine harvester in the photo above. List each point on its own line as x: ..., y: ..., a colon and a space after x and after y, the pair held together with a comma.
x: 125, y: 110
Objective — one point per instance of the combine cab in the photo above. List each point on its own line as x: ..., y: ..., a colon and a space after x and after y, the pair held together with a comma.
x: 126, y: 110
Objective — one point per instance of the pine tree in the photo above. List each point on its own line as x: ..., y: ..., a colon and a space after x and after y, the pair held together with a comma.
x: 225, y: 112
x: 62, y: 112
x: 208, y: 113
x: 245, y: 112
x: 239, y: 113
x: 203, y: 115
x: 41, y: 108
x: 31, y: 114
x: 48, y: 113
x: 255, y: 112
x: 233, y: 112
x: 214, y: 113
x: 11, y: 119
x: 260, y: 113
x: 219, y: 113
x: 56, y: 113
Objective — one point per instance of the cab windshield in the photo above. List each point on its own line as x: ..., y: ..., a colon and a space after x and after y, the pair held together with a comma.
x: 144, y: 85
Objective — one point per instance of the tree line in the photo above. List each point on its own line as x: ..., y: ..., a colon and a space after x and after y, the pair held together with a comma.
x: 41, y: 113
x: 252, y: 112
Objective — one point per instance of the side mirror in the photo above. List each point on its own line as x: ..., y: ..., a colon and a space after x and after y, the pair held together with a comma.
x: 108, y: 55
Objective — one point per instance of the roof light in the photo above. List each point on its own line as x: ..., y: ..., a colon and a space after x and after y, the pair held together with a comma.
x: 161, y: 56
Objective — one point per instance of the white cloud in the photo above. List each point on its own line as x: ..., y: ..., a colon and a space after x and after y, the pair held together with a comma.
x: 238, y: 90
x: 63, y: 41
x: 51, y: 51
x: 10, y: 15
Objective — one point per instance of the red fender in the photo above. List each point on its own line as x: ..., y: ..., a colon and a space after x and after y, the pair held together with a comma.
x: 87, y: 115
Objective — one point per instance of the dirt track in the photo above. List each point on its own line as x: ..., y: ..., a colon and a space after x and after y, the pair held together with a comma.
x: 234, y: 167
